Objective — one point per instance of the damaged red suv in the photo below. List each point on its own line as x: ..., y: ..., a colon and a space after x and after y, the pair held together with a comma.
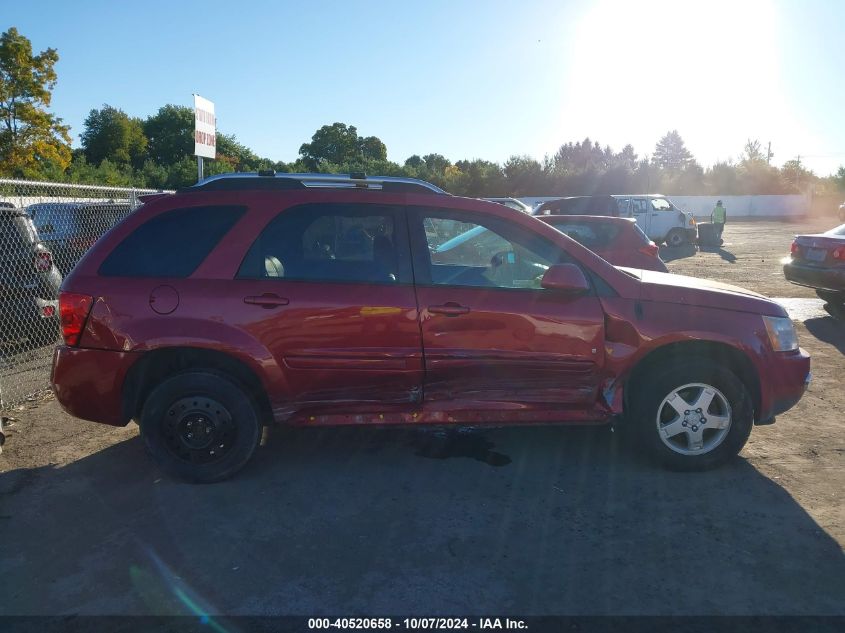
x: 319, y: 300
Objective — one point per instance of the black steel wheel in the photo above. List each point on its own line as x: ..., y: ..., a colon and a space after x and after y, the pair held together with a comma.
x: 200, y: 426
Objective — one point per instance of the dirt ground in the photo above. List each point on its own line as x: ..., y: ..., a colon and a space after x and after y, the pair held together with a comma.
x: 365, y: 521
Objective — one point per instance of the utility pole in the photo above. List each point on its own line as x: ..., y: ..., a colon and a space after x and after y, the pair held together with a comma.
x: 769, y: 153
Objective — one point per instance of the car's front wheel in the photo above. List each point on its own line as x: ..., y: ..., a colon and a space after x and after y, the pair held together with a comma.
x: 676, y: 237
x: 692, y: 415
x: 200, y: 426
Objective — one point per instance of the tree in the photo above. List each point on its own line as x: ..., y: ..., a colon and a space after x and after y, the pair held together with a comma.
x: 437, y: 162
x: 338, y: 144
x: 670, y: 152
x: 111, y: 134
x: 414, y: 162
x: 30, y: 137
x: 796, y: 176
x: 372, y: 148
x: 840, y: 178
x: 753, y: 153
x: 170, y: 134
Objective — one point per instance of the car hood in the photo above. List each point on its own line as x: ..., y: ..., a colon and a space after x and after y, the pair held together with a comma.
x: 692, y: 291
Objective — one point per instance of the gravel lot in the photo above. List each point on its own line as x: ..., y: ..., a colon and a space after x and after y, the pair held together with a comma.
x: 367, y: 521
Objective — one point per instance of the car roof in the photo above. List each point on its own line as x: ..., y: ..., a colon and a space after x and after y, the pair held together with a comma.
x: 590, y: 219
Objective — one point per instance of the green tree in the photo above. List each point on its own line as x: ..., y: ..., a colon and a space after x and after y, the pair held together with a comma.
x: 111, y: 134
x: 795, y: 176
x: 372, y: 148
x: 30, y: 137
x: 339, y: 144
x: 437, y: 162
x: 524, y: 176
x: 170, y: 134
x: 671, y: 153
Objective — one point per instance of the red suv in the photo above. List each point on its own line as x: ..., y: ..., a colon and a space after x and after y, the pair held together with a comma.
x: 317, y: 300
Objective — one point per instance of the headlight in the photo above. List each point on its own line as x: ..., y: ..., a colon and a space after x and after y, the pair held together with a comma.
x: 781, y: 333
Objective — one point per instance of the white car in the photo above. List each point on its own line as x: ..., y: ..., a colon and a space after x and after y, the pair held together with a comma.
x: 661, y: 220
x: 513, y: 203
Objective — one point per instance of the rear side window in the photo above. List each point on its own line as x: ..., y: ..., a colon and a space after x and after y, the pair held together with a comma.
x: 332, y: 243
x: 172, y: 244
x: 592, y: 235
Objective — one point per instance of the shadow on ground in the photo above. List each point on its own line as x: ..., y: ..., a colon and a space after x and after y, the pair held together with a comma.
x: 828, y: 329
x: 671, y: 253
x: 364, y: 521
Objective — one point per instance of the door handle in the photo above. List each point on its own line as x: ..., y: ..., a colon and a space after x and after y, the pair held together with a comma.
x: 449, y: 309
x: 267, y: 300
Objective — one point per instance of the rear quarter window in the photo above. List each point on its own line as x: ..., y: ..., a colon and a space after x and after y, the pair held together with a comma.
x: 592, y: 235
x: 172, y: 244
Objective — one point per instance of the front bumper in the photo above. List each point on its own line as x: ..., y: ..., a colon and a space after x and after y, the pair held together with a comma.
x: 814, y: 276
x: 784, y: 383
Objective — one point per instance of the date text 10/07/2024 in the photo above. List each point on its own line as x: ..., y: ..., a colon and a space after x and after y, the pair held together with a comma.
x: 481, y: 624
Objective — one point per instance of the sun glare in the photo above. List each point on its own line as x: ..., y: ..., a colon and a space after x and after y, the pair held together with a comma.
x: 710, y: 69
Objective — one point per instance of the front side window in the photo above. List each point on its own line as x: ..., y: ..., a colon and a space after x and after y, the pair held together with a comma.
x: 660, y: 204
x: 334, y: 243
x: 462, y: 249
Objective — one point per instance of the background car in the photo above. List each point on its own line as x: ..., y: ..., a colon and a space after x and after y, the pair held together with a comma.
x: 842, y: 212
x: 618, y: 240
x: 580, y: 205
x: 658, y: 218
x: 70, y: 229
x: 818, y: 261
x: 29, y: 283
x: 513, y: 203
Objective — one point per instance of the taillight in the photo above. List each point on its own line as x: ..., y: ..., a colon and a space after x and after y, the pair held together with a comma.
x: 651, y: 249
x: 839, y: 253
x: 43, y: 261
x: 793, y: 250
x: 73, y: 312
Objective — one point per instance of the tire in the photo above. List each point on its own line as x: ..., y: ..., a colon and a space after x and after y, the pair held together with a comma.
x: 832, y: 297
x: 200, y: 426
x: 676, y: 238
x: 676, y: 447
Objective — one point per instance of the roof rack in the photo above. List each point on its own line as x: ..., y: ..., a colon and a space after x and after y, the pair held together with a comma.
x: 270, y: 180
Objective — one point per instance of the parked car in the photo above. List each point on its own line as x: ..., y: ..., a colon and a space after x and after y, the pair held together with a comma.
x: 818, y: 261
x: 659, y: 219
x: 580, y: 205
x: 29, y: 283
x: 513, y: 203
x: 70, y: 229
x: 315, y: 300
x: 618, y: 240
x: 842, y: 212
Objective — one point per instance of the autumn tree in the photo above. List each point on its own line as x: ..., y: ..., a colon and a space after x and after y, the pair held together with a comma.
x: 31, y: 138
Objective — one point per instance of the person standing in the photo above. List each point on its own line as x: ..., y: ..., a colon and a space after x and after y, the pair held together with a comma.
x: 718, y: 217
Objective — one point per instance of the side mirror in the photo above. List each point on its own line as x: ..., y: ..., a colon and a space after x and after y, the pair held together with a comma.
x: 565, y: 278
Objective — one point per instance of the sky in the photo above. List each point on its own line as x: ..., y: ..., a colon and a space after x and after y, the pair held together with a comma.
x: 465, y: 79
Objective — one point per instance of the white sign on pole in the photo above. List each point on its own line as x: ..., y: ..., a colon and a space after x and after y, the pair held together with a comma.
x: 205, y: 128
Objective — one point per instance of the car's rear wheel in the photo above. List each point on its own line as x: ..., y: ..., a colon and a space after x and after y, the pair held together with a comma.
x: 676, y: 237
x: 200, y: 426
x: 692, y: 416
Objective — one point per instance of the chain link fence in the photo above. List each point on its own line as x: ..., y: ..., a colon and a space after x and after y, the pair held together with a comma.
x: 45, y: 229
